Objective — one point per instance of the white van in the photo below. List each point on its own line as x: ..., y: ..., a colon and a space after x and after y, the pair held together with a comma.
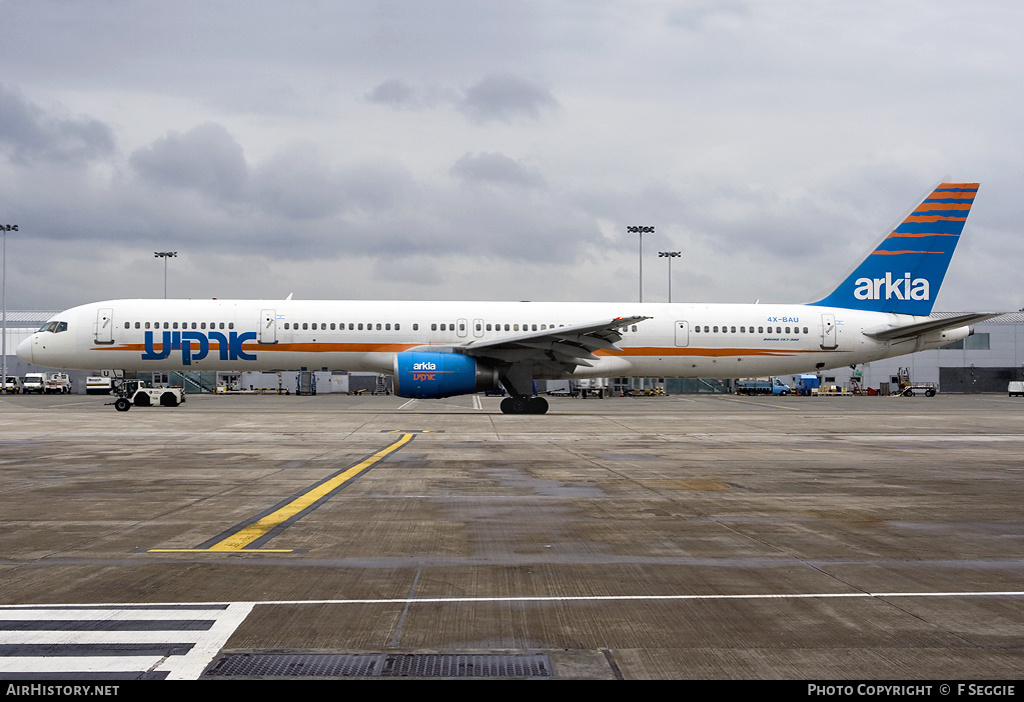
x: 1016, y: 388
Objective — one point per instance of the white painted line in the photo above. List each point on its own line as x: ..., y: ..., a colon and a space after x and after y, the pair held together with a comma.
x: 109, y: 613
x: 205, y: 643
x: 77, y: 664
x: 652, y: 598
x: 99, y: 637
x: 191, y: 665
x: 237, y: 611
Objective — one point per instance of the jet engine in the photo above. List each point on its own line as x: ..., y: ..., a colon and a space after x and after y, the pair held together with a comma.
x: 430, y: 375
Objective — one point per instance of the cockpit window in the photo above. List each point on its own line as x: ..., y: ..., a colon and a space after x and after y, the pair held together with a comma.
x: 55, y: 327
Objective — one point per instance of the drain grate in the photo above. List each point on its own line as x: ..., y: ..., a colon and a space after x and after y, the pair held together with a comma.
x: 381, y: 665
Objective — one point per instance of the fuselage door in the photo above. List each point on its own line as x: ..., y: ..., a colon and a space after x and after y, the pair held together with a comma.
x: 104, y: 326
x: 828, y: 332
x: 682, y: 333
x: 463, y: 329
x: 478, y: 328
x: 268, y: 327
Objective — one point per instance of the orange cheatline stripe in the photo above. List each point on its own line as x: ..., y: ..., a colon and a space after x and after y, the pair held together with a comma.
x: 942, y: 206
x: 898, y: 253
x: 917, y: 235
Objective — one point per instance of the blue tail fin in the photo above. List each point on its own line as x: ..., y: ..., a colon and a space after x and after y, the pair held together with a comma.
x: 904, y: 272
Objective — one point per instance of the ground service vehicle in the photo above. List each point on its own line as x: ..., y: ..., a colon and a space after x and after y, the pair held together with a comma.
x: 12, y: 386
x: 134, y: 393
x: 33, y: 382
x: 98, y: 385
x: 769, y: 386
x: 46, y: 383
x: 907, y: 387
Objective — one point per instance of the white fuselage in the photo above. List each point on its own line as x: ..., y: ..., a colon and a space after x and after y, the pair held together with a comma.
x: 678, y: 340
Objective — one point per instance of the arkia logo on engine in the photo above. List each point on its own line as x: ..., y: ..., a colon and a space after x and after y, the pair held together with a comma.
x: 424, y: 366
x: 901, y: 288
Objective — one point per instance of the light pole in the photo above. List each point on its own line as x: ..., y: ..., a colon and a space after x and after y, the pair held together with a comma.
x: 641, y: 231
x: 669, y: 255
x: 165, y: 255
x: 3, y: 345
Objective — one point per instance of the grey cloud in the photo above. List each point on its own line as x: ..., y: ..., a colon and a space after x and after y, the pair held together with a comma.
x: 399, y: 94
x: 32, y: 133
x: 496, y: 97
x: 205, y: 158
x: 395, y: 92
x: 505, y: 97
x: 495, y: 168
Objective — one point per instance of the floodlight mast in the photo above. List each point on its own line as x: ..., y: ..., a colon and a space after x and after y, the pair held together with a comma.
x: 165, y: 255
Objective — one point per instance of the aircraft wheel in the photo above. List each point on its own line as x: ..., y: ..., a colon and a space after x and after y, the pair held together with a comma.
x: 122, y: 405
x: 537, y: 405
x: 515, y: 405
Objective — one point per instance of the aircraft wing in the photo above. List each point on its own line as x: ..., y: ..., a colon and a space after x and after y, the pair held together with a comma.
x: 564, y: 348
x: 909, y: 331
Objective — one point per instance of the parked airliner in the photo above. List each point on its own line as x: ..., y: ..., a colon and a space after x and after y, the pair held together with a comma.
x: 441, y: 349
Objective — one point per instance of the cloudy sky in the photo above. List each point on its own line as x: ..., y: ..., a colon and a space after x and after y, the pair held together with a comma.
x: 477, y: 149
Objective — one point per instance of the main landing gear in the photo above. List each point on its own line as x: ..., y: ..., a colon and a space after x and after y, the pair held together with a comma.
x: 524, y: 405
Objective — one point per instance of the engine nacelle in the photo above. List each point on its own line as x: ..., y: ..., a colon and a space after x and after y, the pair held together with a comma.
x: 430, y: 375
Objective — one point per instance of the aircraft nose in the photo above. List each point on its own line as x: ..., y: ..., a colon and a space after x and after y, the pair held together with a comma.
x: 24, y: 350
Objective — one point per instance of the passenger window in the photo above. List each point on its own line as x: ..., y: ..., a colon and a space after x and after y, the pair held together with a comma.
x: 760, y: 330
x: 714, y: 329
x: 732, y: 330
x: 378, y: 326
x: 398, y: 327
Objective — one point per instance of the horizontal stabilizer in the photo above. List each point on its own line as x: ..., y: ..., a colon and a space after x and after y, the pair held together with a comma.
x: 909, y: 331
